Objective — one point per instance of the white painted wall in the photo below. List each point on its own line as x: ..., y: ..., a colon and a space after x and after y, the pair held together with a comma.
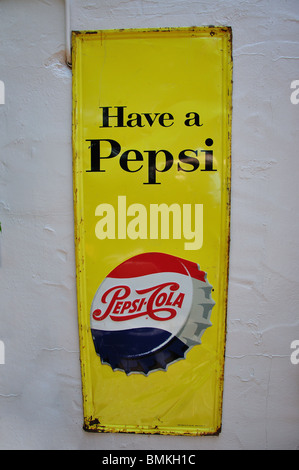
x: 40, y: 382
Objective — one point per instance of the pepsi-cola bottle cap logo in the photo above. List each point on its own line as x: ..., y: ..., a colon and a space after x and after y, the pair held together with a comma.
x: 149, y: 311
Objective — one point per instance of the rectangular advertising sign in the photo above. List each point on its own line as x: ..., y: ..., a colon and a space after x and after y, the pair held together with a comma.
x: 151, y: 159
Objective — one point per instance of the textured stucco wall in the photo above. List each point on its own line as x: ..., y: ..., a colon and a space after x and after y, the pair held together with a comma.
x: 40, y: 382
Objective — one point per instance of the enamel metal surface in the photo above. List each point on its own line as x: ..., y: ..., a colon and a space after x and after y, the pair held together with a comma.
x: 151, y: 158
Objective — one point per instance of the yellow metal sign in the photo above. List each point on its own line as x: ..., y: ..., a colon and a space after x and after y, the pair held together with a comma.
x: 151, y: 140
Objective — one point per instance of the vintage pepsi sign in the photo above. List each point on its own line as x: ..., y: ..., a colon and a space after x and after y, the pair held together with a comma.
x: 151, y: 140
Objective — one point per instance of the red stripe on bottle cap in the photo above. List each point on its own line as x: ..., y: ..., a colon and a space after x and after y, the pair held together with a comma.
x: 151, y: 263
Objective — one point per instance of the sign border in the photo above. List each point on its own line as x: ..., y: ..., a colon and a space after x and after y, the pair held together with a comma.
x: 91, y: 423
